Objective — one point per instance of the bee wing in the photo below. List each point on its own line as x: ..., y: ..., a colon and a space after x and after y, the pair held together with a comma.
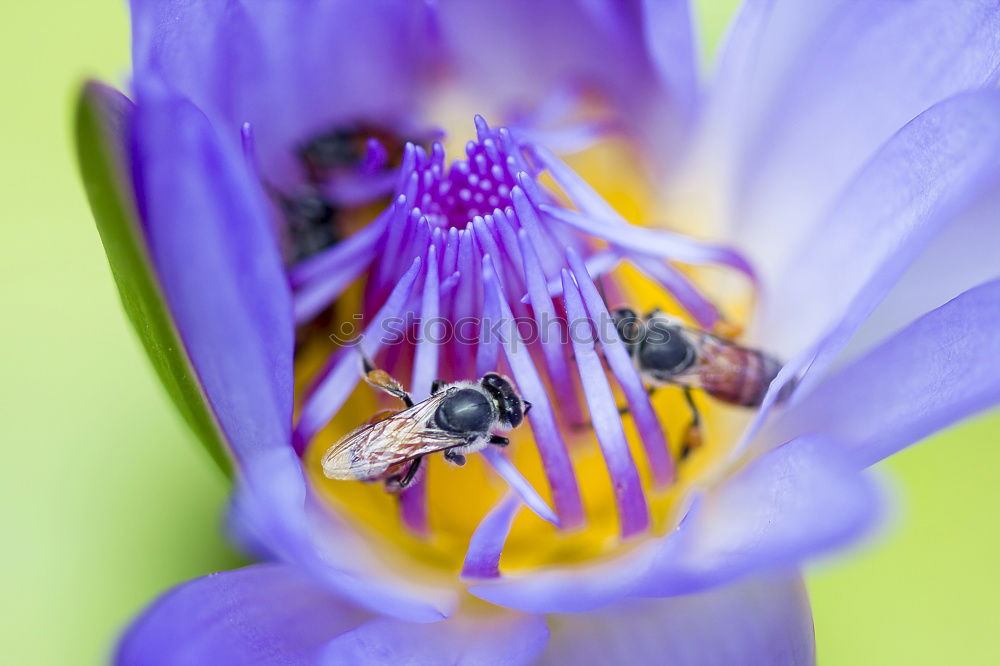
x: 731, y: 373
x: 697, y: 339
x: 714, y: 350
x: 382, y: 415
x: 387, y: 440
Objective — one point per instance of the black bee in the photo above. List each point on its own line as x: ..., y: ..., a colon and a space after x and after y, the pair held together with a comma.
x: 343, y: 148
x: 457, y: 418
x: 668, y: 353
x: 312, y: 220
x: 311, y: 223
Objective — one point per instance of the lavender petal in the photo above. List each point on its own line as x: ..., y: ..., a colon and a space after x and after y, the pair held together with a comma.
x: 633, y: 515
x: 924, y: 378
x: 622, y: 366
x: 763, y: 620
x: 652, y: 242
x: 482, y: 560
x: 235, y: 617
x: 551, y: 447
x: 520, y: 485
x: 501, y: 637
x: 342, y: 374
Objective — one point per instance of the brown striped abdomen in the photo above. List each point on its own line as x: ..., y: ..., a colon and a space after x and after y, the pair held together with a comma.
x: 738, y: 375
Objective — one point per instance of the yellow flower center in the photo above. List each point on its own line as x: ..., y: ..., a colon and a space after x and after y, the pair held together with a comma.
x: 459, y: 497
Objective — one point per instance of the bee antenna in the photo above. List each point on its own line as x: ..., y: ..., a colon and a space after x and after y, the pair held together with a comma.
x: 366, y: 362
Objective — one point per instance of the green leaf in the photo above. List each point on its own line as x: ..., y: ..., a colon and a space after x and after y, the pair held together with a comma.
x: 102, y: 117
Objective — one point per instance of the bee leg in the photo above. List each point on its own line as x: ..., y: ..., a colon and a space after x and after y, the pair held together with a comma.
x: 692, y: 436
x: 695, y: 414
x: 454, y: 457
x: 497, y: 440
x: 436, y: 385
x: 650, y: 390
x: 366, y: 362
x: 383, y: 381
x: 398, y: 483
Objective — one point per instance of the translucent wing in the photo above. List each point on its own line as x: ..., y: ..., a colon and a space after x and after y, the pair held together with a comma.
x: 370, y: 450
x: 729, y: 372
x: 715, y: 355
x: 708, y: 349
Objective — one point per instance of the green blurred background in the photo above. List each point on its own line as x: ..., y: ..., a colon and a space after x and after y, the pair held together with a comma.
x: 107, y: 500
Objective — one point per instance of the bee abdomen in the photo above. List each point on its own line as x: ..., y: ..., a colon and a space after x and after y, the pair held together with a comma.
x: 743, y: 378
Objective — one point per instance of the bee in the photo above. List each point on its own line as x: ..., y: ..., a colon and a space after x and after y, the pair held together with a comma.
x: 342, y: 148
x: 667, y: 353
x: 311, y: 222
x: 458, y: 418
x: 315, y: 218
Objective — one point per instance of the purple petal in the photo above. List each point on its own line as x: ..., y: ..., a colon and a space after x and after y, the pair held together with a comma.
x: 449, y: 260
x: 469, y: 299
x: 520, y: 485
x: 263, y: 614
x: 668, y: 31
x: 314, y: 297
x: 837, y: 283
x: 497, y: 637
x: 509, y: 240
x: 536, y: 48
x: 962, y: 256
x: 579, y: 191
x: 483, y: 557
x: 633, y: 514
x: 820, y: 87
x: 907, y: 193
x: 551, y: 447
x: 358, y: 189
x: 554, y: 351
x: 413, y: 501
x: 330, y: 260
x: 598, y: 263
x: 468, y: 296
x: 651, y: 242
x: 546, y: 248
x: 662, y: 244
x: 569, y: 139
x: 796, y: 501
x: 249, y: 144
x: 787, y: 379
x: 401, y: 222
x: 681, y: 288
x: 621, y: 365
x: 103, y: 124
x: 413, y: 506
x: 288, y: 68
x: 587, y: 587
x: 933, y: 373
x: 340, y: 378
x: 503, y: 258
x: 276, y: 511
x: 762, y: 621
x: 211, y: 240
x: 488, y: 349
x: 419, y: 242
x: 425, y: 360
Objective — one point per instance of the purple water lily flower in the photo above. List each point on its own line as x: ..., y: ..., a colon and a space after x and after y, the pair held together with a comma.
x: 277, y: 188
